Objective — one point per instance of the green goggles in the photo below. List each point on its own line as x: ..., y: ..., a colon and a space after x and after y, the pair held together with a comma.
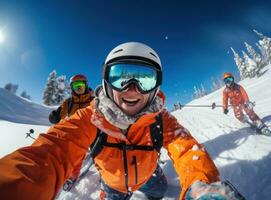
x: 78, y: 84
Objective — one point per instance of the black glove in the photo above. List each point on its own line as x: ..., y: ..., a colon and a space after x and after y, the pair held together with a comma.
x: 226, y: 111
x: 54, y: 116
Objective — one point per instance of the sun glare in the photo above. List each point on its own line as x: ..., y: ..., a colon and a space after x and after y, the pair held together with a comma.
x: 2, y: 37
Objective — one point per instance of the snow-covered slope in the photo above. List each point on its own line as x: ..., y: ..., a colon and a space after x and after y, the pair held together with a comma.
x: 20, y: 110
x: 13, y: 136
x: 242, y: 157
x: 17, y: 116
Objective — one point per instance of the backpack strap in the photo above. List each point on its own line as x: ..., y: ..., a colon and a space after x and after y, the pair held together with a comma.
x: 98, y: 144
x: 156, y: 130
x: 157, y: 133
x: 237, y: 87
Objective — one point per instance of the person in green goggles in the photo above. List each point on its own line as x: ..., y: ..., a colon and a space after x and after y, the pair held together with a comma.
x: 81, y: 96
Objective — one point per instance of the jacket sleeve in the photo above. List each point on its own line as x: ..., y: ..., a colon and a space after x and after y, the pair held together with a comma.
x: 38, y: 171
x: 190, y: 159
x: 225, y: 99
x: 244, y: 94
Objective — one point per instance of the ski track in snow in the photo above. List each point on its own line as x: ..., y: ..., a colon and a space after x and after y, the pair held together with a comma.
x: 243, y: 157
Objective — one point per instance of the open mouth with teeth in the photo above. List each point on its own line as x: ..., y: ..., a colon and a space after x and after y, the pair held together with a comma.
x: 130, y: 102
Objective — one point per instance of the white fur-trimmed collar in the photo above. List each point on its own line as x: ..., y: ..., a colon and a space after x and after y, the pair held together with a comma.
x: 115, y: 116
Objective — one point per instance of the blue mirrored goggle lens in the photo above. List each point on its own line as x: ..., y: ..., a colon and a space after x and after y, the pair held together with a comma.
x: 228, y: 80
x: 120, y: 74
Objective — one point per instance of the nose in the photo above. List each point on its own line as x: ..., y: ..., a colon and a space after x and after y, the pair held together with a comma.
x: 132, y: 88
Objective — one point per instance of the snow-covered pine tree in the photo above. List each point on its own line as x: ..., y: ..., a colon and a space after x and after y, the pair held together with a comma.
x: 251, y: 66
x: 253, y: 54
x: 196, y: 94
x: 25, y: 95
x: 214, y: 85
x: 240, y: 64
x: 50, y: 89
x: 175, y: 107
x: 11, y: 88
x: 203, y: 91
x: 256, y: 57
x: 264, y: 45
x: 61, y: 90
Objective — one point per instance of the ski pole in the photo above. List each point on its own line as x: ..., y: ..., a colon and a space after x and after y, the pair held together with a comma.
x: 213, y: 106
x: 31, y: 131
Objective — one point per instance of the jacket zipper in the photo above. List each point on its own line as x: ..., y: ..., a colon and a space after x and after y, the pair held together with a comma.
x: 125, y: 167
x: 126, y: 164
x: 80, y: 105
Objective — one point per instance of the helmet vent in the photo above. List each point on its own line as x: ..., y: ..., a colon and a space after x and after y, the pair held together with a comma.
x: 153, y: 54
x: 117, y: 51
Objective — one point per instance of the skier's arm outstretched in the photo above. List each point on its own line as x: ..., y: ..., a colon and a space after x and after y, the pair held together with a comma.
x: 192, y: 163
x: 39, y: 170
x: 197, y: 172
x: 225, y: 100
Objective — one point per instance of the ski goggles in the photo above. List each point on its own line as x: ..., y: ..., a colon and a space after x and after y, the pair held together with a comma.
x: 78, y: 84
x: 145, y: 77
x: 228, y: 80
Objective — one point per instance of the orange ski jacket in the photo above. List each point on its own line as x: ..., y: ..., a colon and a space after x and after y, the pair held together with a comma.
x: 236, y: 94
x: 38, y: 171
x: 78, y: 102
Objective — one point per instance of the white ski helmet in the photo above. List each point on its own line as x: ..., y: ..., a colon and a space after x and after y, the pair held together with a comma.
x: 133, y: 49
x: 132, y: 52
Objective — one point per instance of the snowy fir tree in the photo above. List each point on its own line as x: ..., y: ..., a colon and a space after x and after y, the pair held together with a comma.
x: 253, y: 54
x: 196, y: 94
x: 61, y: 90
x: 264, y: 46
x: 203, y: 91
x: 11, y: 88
x: 240, y: 64
x: 251, y: 66
x: 253, y: 62
x: 177, y: 106
x: 217, y: 83
x: 50, y: 89
x: 25, y: 95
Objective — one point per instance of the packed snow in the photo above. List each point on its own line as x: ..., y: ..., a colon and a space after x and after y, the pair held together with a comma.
x: 20, y: 110
x: 243, y: 157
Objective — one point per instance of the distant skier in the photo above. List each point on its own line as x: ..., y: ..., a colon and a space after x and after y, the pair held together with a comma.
x: 128, y: 124
x: 81, y: 96
x: 240, y: 102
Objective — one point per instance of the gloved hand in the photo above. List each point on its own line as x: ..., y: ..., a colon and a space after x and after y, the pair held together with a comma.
x: 249, y: 105
x: 225, y: 111
x: 54, y: 116
x: 215, y: 191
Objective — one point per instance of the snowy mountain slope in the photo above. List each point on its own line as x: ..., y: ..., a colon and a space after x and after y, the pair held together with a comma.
x: 20, y: 110
x: 241, y: 156
x: 13, y: 136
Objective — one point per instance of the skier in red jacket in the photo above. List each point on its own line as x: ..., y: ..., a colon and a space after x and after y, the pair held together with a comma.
x: 240, y: 103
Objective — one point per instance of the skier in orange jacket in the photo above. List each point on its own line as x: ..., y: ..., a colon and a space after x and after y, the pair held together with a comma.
x: 81, y: 96
x: 239, y: 101
x: 125, y: 112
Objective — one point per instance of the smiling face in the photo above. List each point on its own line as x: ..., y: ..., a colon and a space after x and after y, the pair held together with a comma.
x: 131, y: 101
x: 80, y: 90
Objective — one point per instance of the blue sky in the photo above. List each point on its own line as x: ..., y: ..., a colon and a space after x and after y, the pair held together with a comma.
x: 75, y: 37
